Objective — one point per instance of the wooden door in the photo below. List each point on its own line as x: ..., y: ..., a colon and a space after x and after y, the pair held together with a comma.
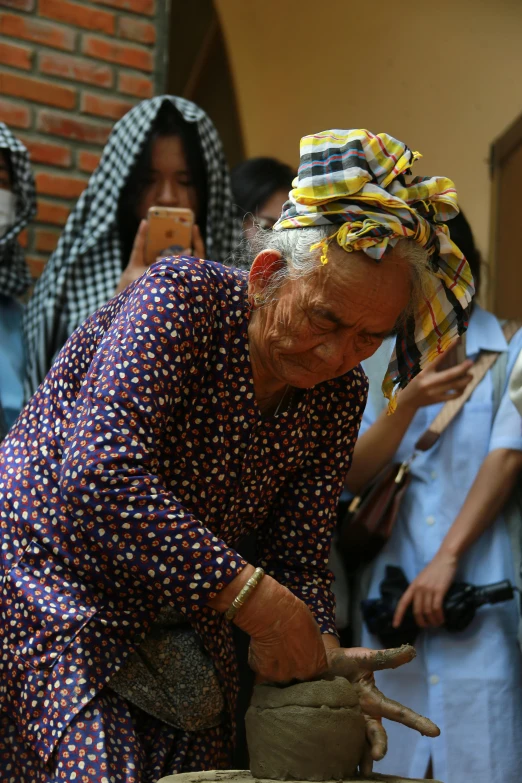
x: 505, y: 296
x: 198, y: 69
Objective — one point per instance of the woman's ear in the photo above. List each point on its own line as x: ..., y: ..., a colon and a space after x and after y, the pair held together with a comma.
x: 265, y: 264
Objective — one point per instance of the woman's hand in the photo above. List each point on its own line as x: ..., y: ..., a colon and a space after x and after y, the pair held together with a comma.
x: 358, y: 665
x: 427, y: 592
x: 432, y: 385
x: 285, y: 641
x: 138, y: 264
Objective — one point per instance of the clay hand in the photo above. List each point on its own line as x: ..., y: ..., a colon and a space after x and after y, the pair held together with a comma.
x: 358, y: 665
x: 432, y: 386
x: 285, y: 641
x: 427, y: 592
x: 137, y: 262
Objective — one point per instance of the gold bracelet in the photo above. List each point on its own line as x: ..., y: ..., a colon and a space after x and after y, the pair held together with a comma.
x: 245, y: 593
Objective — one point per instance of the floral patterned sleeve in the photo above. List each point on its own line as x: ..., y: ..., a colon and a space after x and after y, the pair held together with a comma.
x: 294, y: 547
x: 145, y: 539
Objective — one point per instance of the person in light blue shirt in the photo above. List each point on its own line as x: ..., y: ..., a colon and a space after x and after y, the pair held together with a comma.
x: 451, y: 527
x: 17, y: 208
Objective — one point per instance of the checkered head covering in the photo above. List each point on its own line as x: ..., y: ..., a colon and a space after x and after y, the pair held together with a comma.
x: 355, y: 181
x: 15, y: 277
x: 84, y: 270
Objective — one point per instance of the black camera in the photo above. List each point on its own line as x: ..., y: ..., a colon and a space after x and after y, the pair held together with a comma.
x: 460, y: 604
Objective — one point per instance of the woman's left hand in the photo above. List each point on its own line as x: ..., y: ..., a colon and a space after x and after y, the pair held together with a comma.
x: 357, y: 665
x: 427, y: 592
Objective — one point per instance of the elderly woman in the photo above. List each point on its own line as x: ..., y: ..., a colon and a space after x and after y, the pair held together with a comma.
x: 201, y: 403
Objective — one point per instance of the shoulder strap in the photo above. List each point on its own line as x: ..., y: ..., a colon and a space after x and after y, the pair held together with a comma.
x: 499, y: 371
x: 484, y: 362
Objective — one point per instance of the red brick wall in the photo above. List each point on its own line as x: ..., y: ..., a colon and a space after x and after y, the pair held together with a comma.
x: 68, y: 70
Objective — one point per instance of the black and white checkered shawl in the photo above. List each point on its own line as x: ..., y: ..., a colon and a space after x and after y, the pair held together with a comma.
x: 84, y: 270
x: 15, y: 277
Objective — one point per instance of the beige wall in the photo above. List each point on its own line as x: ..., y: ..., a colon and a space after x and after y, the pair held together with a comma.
x: 445, y: 77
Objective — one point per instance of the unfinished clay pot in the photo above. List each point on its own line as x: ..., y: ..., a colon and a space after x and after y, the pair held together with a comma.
x: 310, y: 731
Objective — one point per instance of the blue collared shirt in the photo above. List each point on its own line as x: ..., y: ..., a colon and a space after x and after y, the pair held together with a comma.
x: 470, y: 682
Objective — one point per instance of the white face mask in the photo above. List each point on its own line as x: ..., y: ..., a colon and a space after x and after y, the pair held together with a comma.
x: 7, y: 210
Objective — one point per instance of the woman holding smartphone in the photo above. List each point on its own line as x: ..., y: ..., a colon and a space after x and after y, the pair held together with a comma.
x: 164, y: 153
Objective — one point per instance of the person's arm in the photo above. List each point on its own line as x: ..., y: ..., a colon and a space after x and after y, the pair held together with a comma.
x: 376, y: 447
x: 488, y: 495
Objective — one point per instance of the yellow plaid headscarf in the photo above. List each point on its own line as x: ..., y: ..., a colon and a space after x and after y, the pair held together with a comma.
x: 355, y: 181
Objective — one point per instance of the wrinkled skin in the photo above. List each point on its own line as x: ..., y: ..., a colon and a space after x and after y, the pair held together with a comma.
x: 322, y: 325
x: 357, y: 665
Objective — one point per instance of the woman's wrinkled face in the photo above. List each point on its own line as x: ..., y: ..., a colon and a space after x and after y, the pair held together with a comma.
x: 5, y: 176
x: 170, y: 180
x: 323, y: 325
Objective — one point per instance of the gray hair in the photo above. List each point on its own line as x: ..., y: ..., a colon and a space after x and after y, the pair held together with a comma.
x: 294, y: 247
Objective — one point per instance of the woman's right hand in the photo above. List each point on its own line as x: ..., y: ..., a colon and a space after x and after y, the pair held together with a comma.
x: 285, y: 641
x: 432, y: 385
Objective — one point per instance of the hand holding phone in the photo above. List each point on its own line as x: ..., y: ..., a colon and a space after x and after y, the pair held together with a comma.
x: 169, y: 231
x: 142, y: 256
x: 437, y: 383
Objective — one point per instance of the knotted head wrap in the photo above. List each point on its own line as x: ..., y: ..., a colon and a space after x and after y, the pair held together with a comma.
x: 356, y: 181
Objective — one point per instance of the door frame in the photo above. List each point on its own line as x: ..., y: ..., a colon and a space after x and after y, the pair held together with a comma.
x: 500, y: 150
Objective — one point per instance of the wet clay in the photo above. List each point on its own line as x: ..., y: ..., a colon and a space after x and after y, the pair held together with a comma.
x: 311, y: 731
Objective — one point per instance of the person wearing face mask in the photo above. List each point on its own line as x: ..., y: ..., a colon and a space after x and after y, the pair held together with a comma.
x: 164, y: 152
x: 17, y: 207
